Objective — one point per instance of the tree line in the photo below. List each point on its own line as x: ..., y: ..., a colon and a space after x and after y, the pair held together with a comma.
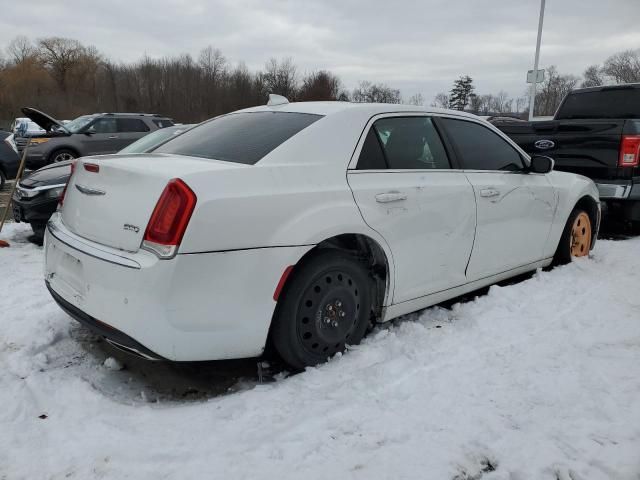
x: 622, y: 67
x: 65, y: 78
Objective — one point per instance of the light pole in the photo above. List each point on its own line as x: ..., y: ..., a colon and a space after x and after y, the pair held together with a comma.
x: 532, y: 100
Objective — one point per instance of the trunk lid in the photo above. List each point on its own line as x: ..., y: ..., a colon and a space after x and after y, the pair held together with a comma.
x: 113, y: 206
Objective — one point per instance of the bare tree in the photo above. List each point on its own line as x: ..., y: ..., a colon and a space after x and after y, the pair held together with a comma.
x: 554, y: 88
x: 60, y: 55
x: 416, y: 99
x: 441, y: 100
x: 368, y: 92
x: 592, y: 76
x: 280, y: 77
x: 320, y: 85
x: 20, y: 49
x: 623, y: 67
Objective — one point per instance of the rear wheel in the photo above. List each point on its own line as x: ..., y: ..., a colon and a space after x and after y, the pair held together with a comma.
x: 325, y: 306
x: 576, y: 238
x: 62, y: 155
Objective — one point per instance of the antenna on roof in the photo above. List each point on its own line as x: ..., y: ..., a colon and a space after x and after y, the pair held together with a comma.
x: 276, y: 100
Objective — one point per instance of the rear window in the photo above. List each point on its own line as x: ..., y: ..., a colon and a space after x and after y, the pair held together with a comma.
x: 239, y: 137
x: 613, y: 103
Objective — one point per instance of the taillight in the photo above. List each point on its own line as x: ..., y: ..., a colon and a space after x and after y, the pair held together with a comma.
x: 64, y: 191
x: 169, y: 219
x: 629, y: 151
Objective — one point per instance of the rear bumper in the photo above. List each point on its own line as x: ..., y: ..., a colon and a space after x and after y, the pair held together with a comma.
x: 113, y: 336
x: 207, y: 306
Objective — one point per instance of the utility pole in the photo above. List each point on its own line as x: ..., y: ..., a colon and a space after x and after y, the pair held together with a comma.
x: 532, y: 100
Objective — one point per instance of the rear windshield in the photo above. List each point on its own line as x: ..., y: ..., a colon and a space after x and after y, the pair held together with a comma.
x: 613, y: 103
x: 239, y: 137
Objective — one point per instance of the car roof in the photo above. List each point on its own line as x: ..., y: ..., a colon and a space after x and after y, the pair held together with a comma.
x: 622, y: 86
x: 330, y: 108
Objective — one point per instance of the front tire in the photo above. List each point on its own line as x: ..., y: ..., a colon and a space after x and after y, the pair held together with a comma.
x: 326, y: 305
x: 576, y: 239
x: 62, y: 155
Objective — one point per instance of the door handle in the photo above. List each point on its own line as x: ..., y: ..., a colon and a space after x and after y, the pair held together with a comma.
x: 489, y: 192
x: 113, y: 136
x: 390, y: 197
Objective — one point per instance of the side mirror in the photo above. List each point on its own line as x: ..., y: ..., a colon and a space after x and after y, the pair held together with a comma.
x: 541, y: 164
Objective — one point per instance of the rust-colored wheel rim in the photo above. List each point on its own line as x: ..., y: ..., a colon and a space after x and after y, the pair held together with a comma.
x: 581, y: 235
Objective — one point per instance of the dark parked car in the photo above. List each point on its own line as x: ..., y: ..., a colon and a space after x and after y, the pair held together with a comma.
x: 37, y: 194
x: 97, y: 134
x: 596, y: 133
x: 9, y: 161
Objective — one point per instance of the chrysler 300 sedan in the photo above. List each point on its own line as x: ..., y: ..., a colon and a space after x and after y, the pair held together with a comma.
x: 301, y: 224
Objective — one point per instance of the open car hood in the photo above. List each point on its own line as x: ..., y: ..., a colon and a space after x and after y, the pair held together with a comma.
x: 42, y: 119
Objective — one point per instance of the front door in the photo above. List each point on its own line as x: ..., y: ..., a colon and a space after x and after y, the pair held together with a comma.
x: 99, y: 137
x: 515, y: 209
x: 407, y: 191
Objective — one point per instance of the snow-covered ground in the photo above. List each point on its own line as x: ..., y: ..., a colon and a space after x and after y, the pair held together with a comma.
x: 535, y: 380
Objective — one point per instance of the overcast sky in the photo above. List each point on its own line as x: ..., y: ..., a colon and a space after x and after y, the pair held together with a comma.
x: 419, y: 46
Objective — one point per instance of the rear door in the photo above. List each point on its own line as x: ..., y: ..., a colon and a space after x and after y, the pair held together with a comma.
x: 407, y: 190
x: 130, y: 130
x: 515, y: 209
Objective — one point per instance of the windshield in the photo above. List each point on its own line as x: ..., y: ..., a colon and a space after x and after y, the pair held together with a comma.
x: 239, y: 137
x: 612, y: 103
x: 79, y: 123
x: 154, y: 139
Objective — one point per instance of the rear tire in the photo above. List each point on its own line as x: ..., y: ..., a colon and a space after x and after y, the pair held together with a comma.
x: 576, y: 237
x: 326, y: 305
x: 61, y: 155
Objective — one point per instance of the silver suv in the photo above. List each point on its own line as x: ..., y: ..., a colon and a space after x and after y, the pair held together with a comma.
x: 96, y: 134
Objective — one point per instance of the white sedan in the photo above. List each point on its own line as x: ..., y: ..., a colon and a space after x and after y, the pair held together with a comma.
x: 302, y: 224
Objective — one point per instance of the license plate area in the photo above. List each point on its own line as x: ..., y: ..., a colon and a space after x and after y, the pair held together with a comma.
x: 65, y: 274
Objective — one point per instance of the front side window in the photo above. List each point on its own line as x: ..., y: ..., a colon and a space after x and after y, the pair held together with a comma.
x: 403, y: 143
x: 131, y: 125
x: 481, y: 148
x: 104, y: 125
x: 239, y: 137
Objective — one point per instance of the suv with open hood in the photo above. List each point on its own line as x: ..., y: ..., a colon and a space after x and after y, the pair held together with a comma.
x: 95, y: 134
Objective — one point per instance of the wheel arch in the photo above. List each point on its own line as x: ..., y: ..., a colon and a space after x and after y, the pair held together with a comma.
x: 378, y: 259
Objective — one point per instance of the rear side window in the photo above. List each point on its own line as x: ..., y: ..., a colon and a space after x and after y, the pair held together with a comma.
x: 405, y: 143
x: 371, y: 156
x: 132, y: 125
x: 612, y: 103
x: 163, y: 123
x: 239, y: 137
x: 481, y: 148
